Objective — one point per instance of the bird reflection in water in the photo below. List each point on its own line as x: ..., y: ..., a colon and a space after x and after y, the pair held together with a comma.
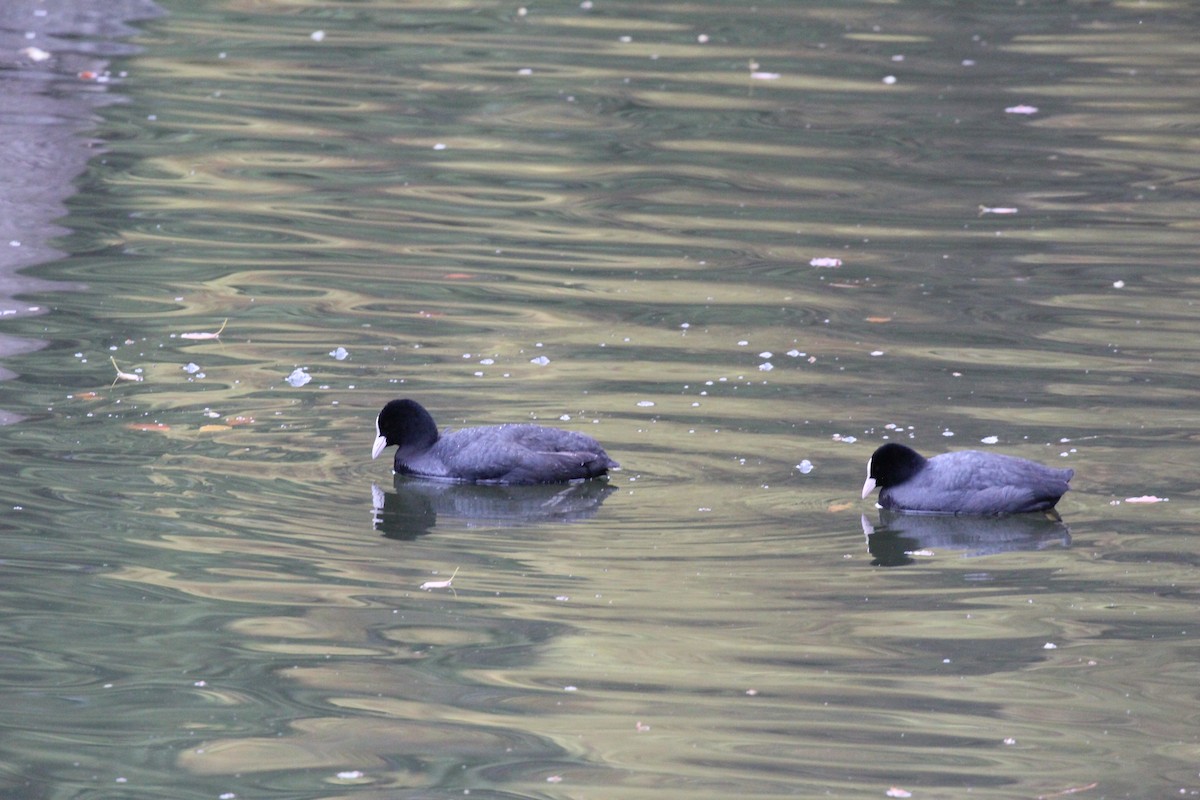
x: 898, y: 536
x: 413, y: 509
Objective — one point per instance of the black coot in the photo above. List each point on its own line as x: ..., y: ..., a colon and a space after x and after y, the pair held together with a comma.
x: 966, y: 482
x: 508, y: 454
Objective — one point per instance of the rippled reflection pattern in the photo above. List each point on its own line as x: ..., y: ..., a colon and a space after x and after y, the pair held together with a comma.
x: 741, y: 247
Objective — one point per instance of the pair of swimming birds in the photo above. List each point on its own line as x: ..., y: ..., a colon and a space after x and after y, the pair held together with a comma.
x: 963, y: 482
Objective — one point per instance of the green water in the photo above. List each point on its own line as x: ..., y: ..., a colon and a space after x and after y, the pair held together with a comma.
x: 604, y: 218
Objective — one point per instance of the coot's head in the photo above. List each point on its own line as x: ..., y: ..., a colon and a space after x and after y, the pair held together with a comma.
x: 405, y: 424
x: 891, y: 465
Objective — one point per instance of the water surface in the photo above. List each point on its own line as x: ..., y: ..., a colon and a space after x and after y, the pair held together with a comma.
x: 723, y: 242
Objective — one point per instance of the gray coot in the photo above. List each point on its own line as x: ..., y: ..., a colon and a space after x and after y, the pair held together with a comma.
x: 965, y: 482
x: 508, y: 454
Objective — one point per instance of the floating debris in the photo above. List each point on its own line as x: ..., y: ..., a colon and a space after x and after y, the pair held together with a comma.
x: 541, y: 361
x: 153, y: 427
x: 124, y: 376
x: 996, y: 210
x: 1021, y: 109
x: 204, y: 334
x: 825, y: 262
x: 805, y: 467
x: 340, y: 353
x: 990, y: 439
x: 298, y: 377
x: 446, y: 584
x: 1146, y: 498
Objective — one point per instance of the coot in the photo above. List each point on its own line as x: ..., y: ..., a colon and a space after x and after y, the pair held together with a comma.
x: 508, y: 454
x: 965, y: 482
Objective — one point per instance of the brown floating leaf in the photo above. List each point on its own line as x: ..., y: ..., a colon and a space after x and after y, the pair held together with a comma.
x: 214, y: 428
x: 879, y: 320
x: 155, y: 427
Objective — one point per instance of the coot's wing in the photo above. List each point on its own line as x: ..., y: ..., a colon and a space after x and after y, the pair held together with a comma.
x: 522, y: 454
x: 975, y: 482
x: 984, y: 470
x: 1009, y: 500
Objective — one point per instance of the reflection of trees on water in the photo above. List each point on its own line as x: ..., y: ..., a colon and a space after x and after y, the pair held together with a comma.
x: 53, y: 75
